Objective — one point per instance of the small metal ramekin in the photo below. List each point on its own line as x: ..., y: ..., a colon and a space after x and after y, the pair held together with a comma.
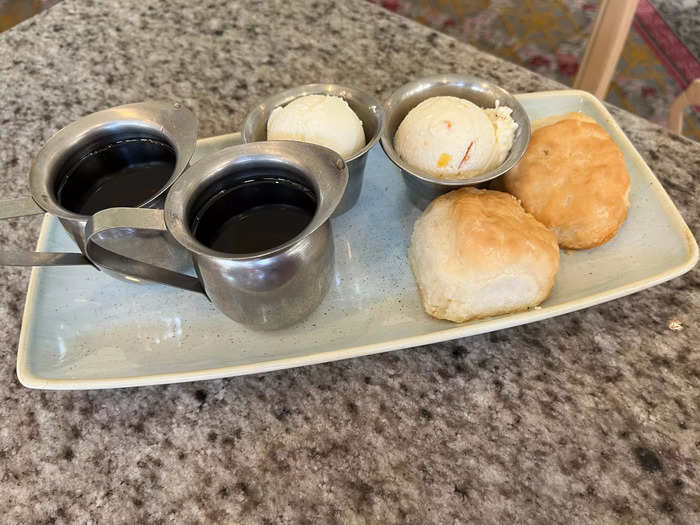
x: 423, y: 187
x: 368, y: 109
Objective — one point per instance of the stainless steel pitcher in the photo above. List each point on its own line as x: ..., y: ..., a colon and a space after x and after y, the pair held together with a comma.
x: 265, y: 290
x: 162, y: 122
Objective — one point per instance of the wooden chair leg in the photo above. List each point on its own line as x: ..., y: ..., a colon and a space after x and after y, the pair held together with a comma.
x: 690, y: 97
x: 605, y: 45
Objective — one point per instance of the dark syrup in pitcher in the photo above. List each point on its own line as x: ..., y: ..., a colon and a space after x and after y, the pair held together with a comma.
x: 254, y: 215
x: 124, y: 173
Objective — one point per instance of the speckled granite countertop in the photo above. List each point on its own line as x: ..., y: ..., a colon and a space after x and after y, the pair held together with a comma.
x: 590, y: 417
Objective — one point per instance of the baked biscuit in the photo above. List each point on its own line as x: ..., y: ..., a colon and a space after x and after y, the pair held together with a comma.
x: 553, y: 119
x: 573, y: 179
x: 477, y: 253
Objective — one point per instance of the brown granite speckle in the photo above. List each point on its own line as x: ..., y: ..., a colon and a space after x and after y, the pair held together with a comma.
x: 589, y: 417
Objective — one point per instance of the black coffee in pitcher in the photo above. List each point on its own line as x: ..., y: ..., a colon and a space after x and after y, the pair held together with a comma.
x: 124, y: 173
x: 254, y: 214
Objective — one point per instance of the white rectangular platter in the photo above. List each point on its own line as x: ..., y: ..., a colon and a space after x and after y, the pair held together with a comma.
x: 83, y: 330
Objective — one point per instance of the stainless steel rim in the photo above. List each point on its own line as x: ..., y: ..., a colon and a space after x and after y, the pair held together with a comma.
x: 263, y: 109
x: 160, y: 119
x: 330, y: 174
x: 424, y: 87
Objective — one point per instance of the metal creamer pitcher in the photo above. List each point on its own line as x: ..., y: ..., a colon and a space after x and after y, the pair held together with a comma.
x: 268, y: 289
x: 155, y: 133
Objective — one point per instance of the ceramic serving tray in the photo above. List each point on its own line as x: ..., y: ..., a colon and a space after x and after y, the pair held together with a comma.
x: 82, y: 329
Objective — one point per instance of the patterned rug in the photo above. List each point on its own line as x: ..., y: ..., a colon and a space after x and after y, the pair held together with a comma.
x: 661, y: 55
x: 658, y: 61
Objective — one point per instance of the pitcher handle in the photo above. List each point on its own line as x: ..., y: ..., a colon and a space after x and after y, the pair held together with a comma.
x: 21, y: 208
x: 132, y: 219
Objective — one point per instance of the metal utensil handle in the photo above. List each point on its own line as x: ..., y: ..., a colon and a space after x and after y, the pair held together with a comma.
x: 132, y: 219
x: 22, y: 208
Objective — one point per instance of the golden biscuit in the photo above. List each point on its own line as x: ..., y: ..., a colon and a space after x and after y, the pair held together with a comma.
x: 553, y: 119
x: 477, y: 253
x: 573, y: 179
